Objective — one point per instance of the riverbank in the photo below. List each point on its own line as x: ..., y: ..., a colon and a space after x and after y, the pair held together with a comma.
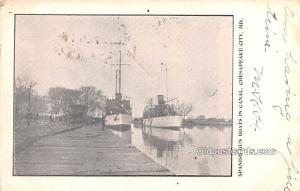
x: 205, y: 122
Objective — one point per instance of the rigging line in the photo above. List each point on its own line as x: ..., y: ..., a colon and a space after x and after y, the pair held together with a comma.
x: 144, y: 69
x: 167, y: 81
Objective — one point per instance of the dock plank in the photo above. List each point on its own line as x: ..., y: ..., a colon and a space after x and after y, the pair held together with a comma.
x: 89, y: 150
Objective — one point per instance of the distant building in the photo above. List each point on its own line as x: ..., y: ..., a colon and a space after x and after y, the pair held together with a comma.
x: 201, y: 117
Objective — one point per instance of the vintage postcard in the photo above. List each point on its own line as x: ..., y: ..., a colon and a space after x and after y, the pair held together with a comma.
x: 181, y: 96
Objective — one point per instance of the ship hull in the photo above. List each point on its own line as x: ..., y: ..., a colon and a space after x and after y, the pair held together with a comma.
x: 161, y: 134
x: 118, y: 120
x: 164, y: 122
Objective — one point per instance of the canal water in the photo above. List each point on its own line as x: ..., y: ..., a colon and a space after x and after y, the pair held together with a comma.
x: 176, y: 149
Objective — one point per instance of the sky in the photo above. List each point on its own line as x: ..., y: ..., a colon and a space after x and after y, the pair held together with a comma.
x: 75, y: 51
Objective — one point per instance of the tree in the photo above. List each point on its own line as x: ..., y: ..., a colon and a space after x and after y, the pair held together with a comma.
x: 39, y: 104
x: 62, y: 99
x: 69, y: 97
x: 55, y: 95
x: 93, y: 99
x: 184, y: 109
x: 23, y: 97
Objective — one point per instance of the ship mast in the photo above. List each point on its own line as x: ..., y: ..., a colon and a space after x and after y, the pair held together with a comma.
x: 166, y: 78
x: 120, y: 67
x: 119, y: 71
x: 116, y: 81
x: 167, y: 82
x: 167, y: 89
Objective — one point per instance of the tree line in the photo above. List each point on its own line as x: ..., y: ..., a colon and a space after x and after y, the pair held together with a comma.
x: 28, y: 104
x: 62, y: 98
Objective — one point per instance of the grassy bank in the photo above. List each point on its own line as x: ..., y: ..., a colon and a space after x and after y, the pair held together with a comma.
x: 26, y: 132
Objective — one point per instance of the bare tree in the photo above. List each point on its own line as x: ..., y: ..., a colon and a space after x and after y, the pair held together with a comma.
x: 184, y: 109
x: 23, y: 97
x: 55, y: 95
x: 63, y: 98
x: 93, y: 99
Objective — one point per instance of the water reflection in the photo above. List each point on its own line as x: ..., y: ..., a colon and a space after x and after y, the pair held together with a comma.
x: 175, y: 149
x: 123, y: 132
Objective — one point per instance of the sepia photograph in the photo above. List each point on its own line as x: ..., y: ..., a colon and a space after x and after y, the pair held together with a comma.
x: 122, y: 95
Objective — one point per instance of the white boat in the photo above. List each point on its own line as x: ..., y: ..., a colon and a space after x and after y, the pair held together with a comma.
x: 162, y: 113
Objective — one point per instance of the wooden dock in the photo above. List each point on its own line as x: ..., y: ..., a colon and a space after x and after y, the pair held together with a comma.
x: 90, y: 150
